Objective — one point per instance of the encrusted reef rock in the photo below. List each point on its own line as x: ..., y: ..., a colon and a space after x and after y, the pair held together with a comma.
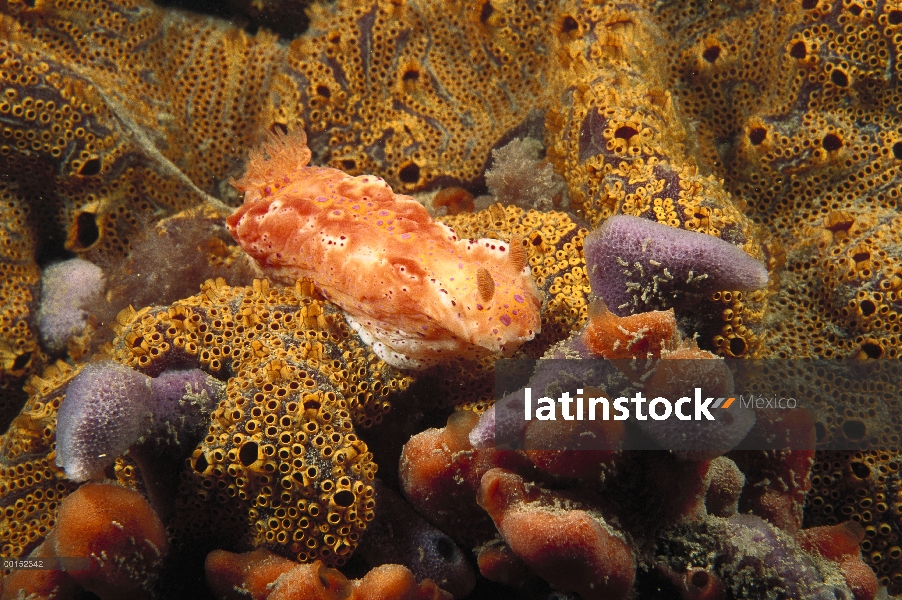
x: 609, y: 89
x: 804, y: 130
x: 748, y: 557
x: 280, y: 454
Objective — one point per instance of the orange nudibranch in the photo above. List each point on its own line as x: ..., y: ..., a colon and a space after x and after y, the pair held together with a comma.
x: 408, y: 286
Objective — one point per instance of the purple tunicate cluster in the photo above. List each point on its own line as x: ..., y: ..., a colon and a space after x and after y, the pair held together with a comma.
x: 109, y: 407
x: 696, y: 439
x: 105, y: 411
x: 636, y: 265
x: 178, y: 397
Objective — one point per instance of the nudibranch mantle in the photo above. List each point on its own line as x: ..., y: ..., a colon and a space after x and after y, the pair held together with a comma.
x: 415, y: 292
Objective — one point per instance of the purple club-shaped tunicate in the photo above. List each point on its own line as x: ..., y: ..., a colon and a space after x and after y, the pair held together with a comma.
x: 636, y: 265
x: 108, y: 407
x: 69, y: 289
x: 178, y: 397
x: 503, y: 425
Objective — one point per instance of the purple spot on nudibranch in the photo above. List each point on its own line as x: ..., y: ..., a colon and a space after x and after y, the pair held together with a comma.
x: 505, y: 319
x: 479, y: 307
x: 322, y: 199
x: 405, y: 236
x: 383, y: 213
x: 518, y: 298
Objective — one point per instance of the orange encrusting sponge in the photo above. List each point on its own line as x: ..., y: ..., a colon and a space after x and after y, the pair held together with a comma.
x: 633, y: 336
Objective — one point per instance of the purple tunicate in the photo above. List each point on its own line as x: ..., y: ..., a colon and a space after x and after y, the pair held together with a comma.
x: 68, y: 291
x: 636, y: 265
x: 549, y: 378
x: 483, y: 434
x: 696, y: 439
x: 179, y: 396
x: 108, y: 407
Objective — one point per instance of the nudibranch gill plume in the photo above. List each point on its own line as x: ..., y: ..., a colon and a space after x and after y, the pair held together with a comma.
x: 412, y: 290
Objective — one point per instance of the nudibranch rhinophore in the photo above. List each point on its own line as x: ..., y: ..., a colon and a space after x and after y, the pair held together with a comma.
x: 408, y: 286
